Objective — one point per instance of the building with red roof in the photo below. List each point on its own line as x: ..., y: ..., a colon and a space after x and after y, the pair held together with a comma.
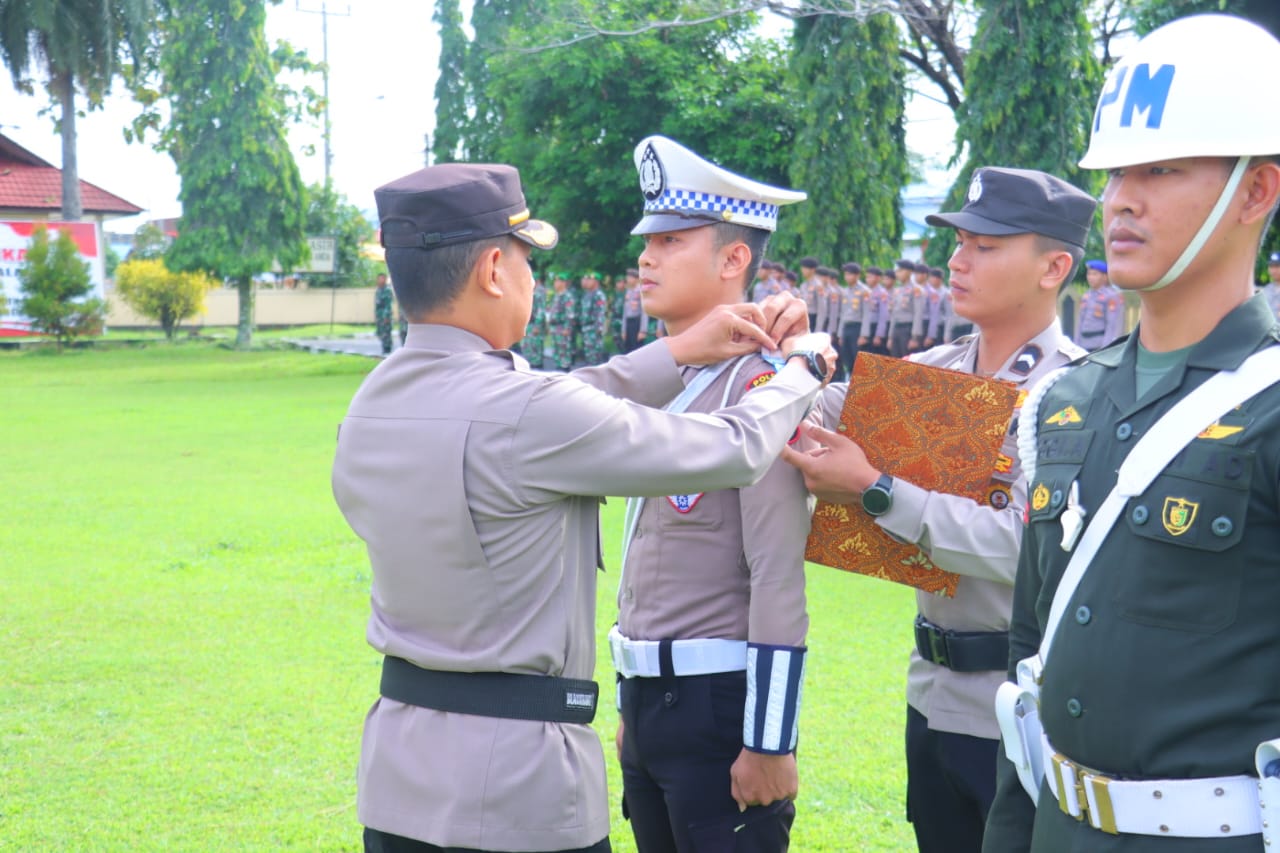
x: 31, y: 194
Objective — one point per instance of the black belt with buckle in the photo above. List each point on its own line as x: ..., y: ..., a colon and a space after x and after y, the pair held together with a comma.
x: 962, y: 651
x: 510, y: 695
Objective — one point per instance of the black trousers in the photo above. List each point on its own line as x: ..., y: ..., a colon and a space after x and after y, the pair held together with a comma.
x: 681, y: 736
x: 951, y: 781
x: 899, y: 339
x: 376, y: 841
x: 630, y: 333
x: 848, y: 349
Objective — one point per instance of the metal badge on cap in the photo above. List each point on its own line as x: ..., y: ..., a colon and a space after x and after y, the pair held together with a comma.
x: 975, y: 187
x: 652, y: 179
x: 682, y: 190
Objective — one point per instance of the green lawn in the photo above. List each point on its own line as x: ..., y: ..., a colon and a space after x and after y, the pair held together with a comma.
x: 182, y: 636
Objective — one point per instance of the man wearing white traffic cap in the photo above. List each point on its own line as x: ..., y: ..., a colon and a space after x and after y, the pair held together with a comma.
x: 711, y: 628
x: 1143, y: 705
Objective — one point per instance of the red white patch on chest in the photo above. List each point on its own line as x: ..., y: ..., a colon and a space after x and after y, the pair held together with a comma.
x: 684, y: 503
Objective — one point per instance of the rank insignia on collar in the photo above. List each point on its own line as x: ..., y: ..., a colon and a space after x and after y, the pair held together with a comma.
x: 1040, y: 498
x: 1216, y: 430
x: 684, y: 503
x: 1026, y: 360
x: 1178, y: 515
x: 1004, y: 464
x: 1069, y: 415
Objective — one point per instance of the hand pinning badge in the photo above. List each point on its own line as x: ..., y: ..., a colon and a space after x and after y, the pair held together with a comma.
x: 1072, y: 518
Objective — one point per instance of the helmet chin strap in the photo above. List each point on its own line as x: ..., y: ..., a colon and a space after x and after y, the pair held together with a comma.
x: 1202, y: 236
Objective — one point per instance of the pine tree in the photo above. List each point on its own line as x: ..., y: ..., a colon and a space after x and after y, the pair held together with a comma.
x: 850, y: 149
x: 1031, y: 81
x: 451, y: 85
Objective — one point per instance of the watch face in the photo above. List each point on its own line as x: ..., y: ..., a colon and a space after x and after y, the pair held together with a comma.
x: 876, y: 500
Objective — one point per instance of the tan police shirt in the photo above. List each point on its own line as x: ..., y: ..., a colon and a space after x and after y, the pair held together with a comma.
x: 720, y: 563
x: 977, y: 540
x: 474, y: 485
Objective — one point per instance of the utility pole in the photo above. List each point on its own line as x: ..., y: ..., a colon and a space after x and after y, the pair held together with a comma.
x: 324, y: 14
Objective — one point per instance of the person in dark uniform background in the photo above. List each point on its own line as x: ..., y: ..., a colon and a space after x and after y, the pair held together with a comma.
x: 710, y: 638
x: 1160, y: 689
x: 383, y: 309
x: 474, y: 483
x: 1020, y: 234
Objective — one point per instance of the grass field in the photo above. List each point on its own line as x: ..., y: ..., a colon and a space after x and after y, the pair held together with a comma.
x: 182, y: 633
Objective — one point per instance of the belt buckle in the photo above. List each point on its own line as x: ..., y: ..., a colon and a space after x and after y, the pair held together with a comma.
x: 1101, y: 813
x: 937, y: 647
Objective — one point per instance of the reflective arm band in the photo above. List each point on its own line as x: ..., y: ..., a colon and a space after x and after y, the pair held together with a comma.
x: 775, y: 680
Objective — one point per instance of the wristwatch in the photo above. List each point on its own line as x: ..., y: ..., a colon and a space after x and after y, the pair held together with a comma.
x: 815, y: 361
x: 878, y: 497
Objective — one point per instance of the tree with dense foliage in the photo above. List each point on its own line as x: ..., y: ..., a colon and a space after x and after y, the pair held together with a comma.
x: 153, y: 290
x: 55, y: 286
x: 492, y: 24
x: 149, y: 242
x: 330, y: 214
x: 79, y: 45
x: 571, y: 118
x: 451, y: 84
x: 242, y: 198
x: 850, y: 152
x: 1031, y: 82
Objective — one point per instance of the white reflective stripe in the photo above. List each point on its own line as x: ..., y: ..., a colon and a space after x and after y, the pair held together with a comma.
x: 642, y: 658
x: 776, y: 701
x: 795, y: 722
x: 749, y: 718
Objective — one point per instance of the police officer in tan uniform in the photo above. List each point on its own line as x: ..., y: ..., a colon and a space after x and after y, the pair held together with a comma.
x: 474, y: 483
x: 711, y: 630
x: 1019, y: 236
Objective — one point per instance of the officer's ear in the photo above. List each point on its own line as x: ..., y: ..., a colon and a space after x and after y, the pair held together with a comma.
x: 1262, y: 190
x: 489, y: 271
x: 735, y: 259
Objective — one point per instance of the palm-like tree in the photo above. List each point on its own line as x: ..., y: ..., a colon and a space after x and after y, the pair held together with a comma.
x: 79, y: 44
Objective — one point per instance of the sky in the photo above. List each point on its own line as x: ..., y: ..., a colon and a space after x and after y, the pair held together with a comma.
x: 383, y: 60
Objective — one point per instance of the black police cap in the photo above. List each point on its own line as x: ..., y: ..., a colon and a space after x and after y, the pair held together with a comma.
x: 1001, y: 202
x: 457, y: 203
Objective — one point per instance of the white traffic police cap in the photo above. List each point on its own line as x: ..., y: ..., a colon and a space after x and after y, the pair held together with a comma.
x: 682, y: 190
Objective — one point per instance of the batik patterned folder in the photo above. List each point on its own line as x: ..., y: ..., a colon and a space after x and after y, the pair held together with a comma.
x: 939, y: 429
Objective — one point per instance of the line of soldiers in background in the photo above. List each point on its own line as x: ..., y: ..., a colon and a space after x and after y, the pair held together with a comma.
x: 576, y: 325
x: 891, y: 311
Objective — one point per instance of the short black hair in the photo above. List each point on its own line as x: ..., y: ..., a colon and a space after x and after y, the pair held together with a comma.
x: 852, y: 267
x: 427, y: 280
x: 810, y: 262
x: 756, y: 240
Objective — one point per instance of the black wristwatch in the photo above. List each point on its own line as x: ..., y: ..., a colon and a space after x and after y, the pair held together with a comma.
x: 815, y: 361
x: 878, y: 497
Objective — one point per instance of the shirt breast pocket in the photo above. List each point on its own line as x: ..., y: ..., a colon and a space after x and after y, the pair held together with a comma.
x: 1183, y: 523
x: 703, y: 511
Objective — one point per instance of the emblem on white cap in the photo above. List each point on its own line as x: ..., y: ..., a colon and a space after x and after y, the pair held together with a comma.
x: 975, y: 188
x: 682, y: 190
x: 652, y: 181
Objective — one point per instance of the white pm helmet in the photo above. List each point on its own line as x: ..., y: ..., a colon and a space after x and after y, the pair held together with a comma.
x: 1196, y: 87
x: 1190, y: 89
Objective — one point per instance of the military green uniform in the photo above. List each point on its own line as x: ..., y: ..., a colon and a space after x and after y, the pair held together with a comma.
x: 536, y: 330
x: 383, y: 301
x: 1165, y: 664
x: 593, y: 315
x: 561, y: 317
